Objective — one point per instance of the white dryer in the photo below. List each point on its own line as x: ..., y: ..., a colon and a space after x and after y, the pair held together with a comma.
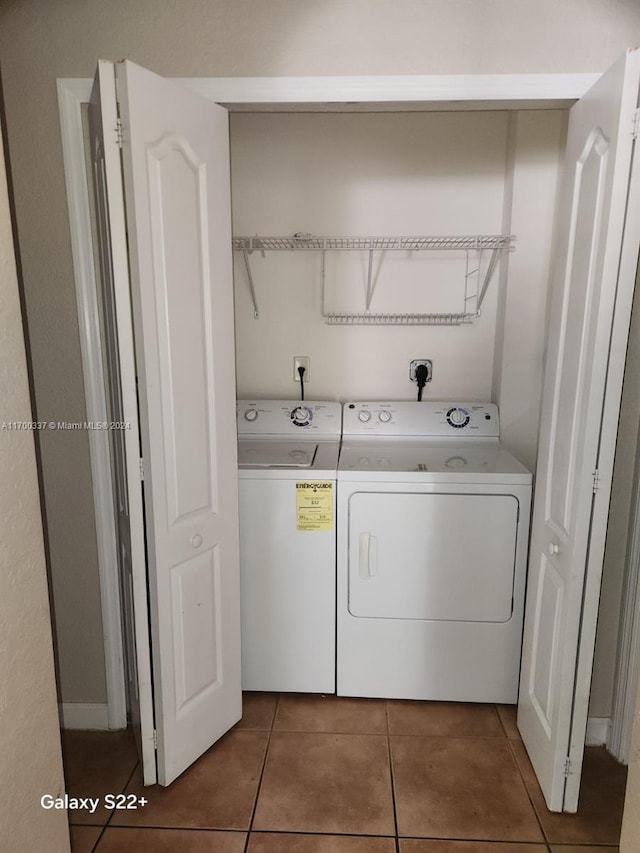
x: 287, y: 461
x: 433, y: 525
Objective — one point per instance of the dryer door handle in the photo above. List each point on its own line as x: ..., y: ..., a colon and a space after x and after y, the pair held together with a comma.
x: 368, y: 556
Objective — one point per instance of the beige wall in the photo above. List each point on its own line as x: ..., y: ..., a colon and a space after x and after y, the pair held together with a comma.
x: 41, y: 40
x: 30, y: 755
x: 364, y: 173
x: 630, y: 838
x: 620, y: 515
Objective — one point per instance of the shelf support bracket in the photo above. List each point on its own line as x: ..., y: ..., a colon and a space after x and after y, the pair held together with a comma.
x: 323, y: 276
x: 495, y: 256
x: 245, y: 255
x: 369, y: 280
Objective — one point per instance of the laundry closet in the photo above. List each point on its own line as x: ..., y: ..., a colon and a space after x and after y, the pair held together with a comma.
x: 360, y: 317
x: 313, y: 193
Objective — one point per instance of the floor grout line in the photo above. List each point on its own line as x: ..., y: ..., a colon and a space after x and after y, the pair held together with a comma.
x: 514, y: 758
x: 163, y: 828
x: 320, y: 833
x: 392, y: 778
x: 108, y: 821
x: 502, y: 725
x: 99, y: 838
x: 264, y: 765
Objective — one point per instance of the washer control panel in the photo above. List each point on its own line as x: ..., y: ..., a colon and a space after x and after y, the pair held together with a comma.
x: 429, y: 418
x: 288, y: 417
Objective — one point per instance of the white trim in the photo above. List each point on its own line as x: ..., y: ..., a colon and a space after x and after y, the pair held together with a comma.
x: 628, y: 666
x: 85, y: 715
x: 551, y: 90
x: 71, y: 95
x: 236, y: 91
x: 505, y: 89
x: 598, y: 729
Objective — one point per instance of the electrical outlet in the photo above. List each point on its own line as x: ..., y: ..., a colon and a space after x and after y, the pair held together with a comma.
x: 301, y: 361
x: 415, y: 363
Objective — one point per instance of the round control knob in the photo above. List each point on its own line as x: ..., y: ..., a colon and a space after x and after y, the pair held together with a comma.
x: 364, y: 416
x: 251, y: 414
x: 457, y: 417
x: 384, y: 416
x: 301, y: 416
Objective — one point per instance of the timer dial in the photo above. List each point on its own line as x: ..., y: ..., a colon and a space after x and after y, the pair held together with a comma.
x: 302, y: 416
x: 457, y: 417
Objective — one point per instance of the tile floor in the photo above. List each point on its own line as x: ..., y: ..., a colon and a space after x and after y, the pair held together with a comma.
x: 313, y: 774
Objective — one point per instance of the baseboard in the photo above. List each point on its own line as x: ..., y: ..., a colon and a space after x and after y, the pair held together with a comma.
x: 84, y: 715
x: 598, y: 729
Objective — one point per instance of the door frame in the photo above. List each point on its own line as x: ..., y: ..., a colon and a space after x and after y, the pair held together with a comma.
x: 323, y: 94
x: 628, y: 664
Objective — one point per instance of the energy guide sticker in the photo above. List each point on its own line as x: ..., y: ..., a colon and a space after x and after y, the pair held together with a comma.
x: 314, y: 505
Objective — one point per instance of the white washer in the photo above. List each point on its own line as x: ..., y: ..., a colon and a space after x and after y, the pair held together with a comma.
x: 433, y: 525
x: 287, y: 458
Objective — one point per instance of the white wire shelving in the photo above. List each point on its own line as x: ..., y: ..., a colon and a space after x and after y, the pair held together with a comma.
x: 475, y: 283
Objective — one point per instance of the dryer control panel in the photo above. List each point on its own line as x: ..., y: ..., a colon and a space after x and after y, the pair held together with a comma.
x: 431, y: 418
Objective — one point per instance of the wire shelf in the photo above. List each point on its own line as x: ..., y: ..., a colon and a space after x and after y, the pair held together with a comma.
x: 334, y: 319
x: 310, y: 243
x: 475, y: 287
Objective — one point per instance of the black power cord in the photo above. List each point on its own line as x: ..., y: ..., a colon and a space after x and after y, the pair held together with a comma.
x: 301, y: 372
x: 421, y: 378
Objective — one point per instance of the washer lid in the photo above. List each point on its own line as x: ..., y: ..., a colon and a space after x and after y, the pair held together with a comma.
x: 276, y: 454
x: 437, y: 461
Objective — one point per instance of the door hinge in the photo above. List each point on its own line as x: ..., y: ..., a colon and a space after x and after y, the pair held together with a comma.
x: 635, y: 126
x: 119, y: 133
x: 567, y: 768
x: 141, y: 469
x: 155, y: 739
x: 596, y: 481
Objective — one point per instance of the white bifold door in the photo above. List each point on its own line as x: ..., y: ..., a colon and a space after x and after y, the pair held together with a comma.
x: 597, y: 252
x: 160, y: 156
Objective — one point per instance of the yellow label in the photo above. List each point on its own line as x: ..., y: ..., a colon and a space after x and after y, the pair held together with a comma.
x: 314, y: 505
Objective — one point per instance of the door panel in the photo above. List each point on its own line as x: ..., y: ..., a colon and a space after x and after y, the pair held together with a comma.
x: 178, y: 204
x: 176, y: 179
x: 590, y: 307
x: 120, y: 373
x: 579, y: 328
x: 448, y: 557
x: 197, y: 621
x: 546, y: 643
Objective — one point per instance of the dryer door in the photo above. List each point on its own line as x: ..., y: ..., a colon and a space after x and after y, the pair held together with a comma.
x: 432, y: 556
